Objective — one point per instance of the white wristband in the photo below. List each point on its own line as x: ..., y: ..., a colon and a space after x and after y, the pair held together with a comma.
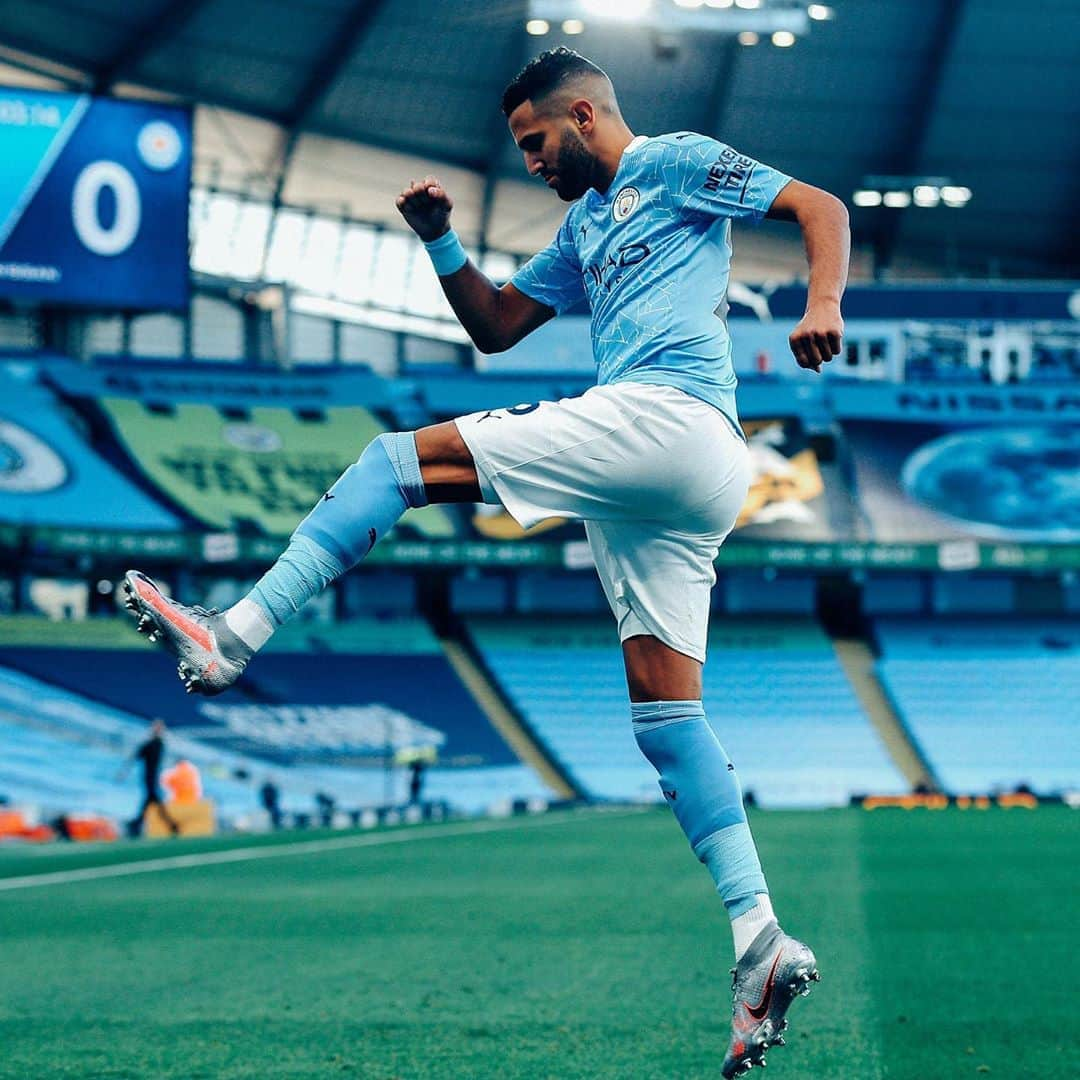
x: 447, y: 254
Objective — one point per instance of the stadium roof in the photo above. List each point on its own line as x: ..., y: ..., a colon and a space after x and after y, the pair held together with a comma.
x: 335, y: 103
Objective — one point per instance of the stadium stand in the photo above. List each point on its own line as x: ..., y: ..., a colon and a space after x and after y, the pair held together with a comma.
x: 52, y: 475
x: 210, y: 304
x: 235, y: 467
x: 58, y: 775
x: 322, y: 711
x: 769, y: 683
x: 62, y: 753
x: 993, y: 705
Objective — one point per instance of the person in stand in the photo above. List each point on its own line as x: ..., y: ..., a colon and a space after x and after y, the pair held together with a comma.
x: 416, y: 781
x: 150, y: 754
x: 270, y: 797
x: 325, y: 806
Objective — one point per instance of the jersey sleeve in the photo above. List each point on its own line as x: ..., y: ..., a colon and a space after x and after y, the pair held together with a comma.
x: 554, y: 276
x: 709, y: 179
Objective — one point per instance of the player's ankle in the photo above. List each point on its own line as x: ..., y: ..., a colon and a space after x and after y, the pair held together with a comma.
x: 250, y: 623
x: 747, y: 925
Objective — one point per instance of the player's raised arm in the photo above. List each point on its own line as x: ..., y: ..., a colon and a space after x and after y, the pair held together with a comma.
x: 495, y: 318
x: 823, y: 219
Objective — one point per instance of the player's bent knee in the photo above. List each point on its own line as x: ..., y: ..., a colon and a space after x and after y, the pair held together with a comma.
x: 447, y: 464
x: 401, y: 452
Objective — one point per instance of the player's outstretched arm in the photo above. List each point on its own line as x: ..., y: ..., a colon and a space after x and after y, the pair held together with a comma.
x: 823, y: 219
x: 495, y: 318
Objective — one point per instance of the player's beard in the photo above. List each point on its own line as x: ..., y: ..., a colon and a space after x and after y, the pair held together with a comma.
x: 576, y: 168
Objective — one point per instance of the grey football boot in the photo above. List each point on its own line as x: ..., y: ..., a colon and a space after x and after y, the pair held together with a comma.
x: 211, y: 656
x: 774, y: 971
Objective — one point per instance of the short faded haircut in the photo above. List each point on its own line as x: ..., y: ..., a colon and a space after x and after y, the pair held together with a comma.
x: 545, y: 74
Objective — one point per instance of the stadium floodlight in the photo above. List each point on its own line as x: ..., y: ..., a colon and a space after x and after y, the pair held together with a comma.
x: 899, y: 192
x: 955, y: 196
x: 748, y: 37
x: 819, y: 12
x: 681, y: 16
x: 537, y: 27
x: 572, y: 27
x: 617, y: 9
x: 783, y: 39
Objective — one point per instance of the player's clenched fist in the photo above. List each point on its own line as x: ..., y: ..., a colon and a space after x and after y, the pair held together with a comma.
x: 818, y: 337
x: 426, y: 207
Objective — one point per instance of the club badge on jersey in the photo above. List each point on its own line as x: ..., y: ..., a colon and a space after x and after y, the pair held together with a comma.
x: 625, y: 203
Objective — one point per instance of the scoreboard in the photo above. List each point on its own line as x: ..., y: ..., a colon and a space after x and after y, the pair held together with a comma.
x: 93, y: 200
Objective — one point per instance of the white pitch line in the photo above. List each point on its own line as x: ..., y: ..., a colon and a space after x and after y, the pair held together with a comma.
x: 272, y: 851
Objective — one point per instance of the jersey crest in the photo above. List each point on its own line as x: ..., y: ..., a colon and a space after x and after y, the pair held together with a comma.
x: 625, y: 203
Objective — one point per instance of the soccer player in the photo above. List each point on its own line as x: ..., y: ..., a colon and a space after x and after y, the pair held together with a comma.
x: 652, y: 458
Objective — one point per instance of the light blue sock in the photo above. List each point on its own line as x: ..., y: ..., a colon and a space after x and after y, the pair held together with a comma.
x: 699, y: 783
x: 344, y: 525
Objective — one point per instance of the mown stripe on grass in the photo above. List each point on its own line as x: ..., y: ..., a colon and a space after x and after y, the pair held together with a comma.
x: 856, y: 991
x: 845, y: 1017
x: 310, y: 847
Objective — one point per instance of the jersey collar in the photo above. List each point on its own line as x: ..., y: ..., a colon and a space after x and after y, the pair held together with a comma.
x: 634, y: 144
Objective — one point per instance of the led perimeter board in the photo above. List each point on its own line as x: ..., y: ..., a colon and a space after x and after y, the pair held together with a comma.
x: 93, y: 200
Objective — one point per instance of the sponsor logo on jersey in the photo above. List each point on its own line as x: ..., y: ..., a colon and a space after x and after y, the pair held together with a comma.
x: 608, y: 272
x: 731, y: 171
x: 626, y: 202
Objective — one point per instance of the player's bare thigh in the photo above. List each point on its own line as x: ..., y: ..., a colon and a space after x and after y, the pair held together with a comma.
x: 657, y: 672
x: 447, y: 465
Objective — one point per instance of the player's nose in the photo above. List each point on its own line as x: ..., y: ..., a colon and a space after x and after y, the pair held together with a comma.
x: 534, y: 164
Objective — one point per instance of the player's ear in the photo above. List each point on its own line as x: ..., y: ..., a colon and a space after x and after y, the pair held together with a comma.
x: 583, y: 114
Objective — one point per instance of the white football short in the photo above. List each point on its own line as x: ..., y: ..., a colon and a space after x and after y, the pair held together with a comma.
x: 657, y: 475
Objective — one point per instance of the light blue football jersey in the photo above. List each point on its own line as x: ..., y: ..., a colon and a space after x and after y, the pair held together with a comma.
x: 652, y: 257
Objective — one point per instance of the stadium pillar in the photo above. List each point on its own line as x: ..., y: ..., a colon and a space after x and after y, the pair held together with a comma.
x: 251, y: 315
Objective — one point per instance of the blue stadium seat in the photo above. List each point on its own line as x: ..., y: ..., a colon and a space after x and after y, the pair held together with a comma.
x: 992, y: 703
x: 774, y: 692
x: 62, y: 753
x: 362, y: 673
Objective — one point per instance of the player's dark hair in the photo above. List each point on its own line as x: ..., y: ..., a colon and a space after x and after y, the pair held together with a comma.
x: 545, y: 73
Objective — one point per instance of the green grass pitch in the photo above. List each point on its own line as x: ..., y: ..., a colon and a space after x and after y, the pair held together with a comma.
x: 587, y: 945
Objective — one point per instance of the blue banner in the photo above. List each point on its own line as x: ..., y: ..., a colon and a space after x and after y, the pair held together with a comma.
x: 994, y: 301
x: 954, y: 404
x: 50, y: 476
x: 93, y: 200
x: 239, y: 387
